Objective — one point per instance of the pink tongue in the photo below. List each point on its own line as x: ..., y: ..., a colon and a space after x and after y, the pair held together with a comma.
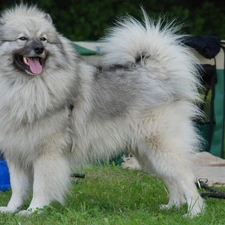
x: 35, y: 66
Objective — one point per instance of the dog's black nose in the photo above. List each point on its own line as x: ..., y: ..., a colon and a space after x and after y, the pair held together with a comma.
x: 38, y: 49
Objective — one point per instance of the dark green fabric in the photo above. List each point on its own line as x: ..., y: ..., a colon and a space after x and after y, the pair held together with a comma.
x: 83, y: 51
x: 213, y: 135
x: 217, y: 146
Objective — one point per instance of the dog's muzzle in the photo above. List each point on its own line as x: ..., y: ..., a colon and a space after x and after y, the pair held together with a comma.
x: 31, y: 59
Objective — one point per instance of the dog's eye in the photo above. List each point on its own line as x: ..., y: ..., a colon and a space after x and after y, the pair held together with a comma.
x: 43, y: 39
x: 23, y: 38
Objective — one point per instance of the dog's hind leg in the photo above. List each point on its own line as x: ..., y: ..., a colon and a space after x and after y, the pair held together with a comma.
x: 176, y: 196
x: 185, y: 184
x: 179, y: 179
x: 20, y: 180
x: 168, y: 139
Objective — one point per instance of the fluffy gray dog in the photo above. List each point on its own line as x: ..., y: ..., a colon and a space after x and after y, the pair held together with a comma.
x: 57, y: 112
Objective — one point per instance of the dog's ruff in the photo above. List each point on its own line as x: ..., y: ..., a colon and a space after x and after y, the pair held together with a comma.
x: 142, y: 98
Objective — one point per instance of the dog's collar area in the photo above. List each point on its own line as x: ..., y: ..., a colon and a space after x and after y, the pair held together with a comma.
x: 32, y: 65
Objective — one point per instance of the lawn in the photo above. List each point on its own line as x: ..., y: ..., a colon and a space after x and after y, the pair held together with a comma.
x: 110, y: 195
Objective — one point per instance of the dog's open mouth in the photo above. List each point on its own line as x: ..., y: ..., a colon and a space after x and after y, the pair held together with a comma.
x: 33, y: 65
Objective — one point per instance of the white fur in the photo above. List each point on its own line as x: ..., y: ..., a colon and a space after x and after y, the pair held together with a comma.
x: 146, y: 103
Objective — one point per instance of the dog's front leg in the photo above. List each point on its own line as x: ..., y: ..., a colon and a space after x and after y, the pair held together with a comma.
x: 51, y: 180
x: 20, y: 180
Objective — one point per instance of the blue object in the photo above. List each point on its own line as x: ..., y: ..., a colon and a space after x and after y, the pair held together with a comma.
x: 4, y: 176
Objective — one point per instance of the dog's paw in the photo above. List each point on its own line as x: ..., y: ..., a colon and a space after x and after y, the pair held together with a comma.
x: 172, y: 204
x: 7, y: 210
x: 25, y: 213
x: 165, y: 206
x: 197, y: 208
x: 195, y: 211
x: 30, y: 212
x: 191, y: 215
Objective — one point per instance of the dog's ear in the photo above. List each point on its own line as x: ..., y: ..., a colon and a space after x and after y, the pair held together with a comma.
x: 48, y: 18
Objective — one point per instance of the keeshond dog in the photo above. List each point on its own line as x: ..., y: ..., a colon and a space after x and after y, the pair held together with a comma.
x: 57, y: 112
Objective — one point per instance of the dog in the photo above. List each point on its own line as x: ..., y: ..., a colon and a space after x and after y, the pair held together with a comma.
x: 58, y: 112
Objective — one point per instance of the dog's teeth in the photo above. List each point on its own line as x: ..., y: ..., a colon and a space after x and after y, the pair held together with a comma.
x: 25, y: 60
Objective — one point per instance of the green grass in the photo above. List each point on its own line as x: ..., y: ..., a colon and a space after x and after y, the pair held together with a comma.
x: 111, y: 195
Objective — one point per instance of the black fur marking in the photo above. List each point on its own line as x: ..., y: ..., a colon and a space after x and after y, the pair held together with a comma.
x: 116, y: 67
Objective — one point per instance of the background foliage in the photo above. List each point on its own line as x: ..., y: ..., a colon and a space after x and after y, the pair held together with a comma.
x: 87, y: 20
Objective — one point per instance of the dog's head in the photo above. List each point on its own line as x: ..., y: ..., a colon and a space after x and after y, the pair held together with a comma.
x: 26, y: 36
x: 31, y: 57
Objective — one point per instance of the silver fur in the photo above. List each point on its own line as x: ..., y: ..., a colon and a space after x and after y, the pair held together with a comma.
x: 142, y: 97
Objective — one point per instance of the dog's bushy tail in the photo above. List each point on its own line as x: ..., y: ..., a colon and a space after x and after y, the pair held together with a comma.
x: 155, y: 46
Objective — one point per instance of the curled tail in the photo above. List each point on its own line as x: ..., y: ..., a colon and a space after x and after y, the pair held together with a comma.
x: 155, y: 47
